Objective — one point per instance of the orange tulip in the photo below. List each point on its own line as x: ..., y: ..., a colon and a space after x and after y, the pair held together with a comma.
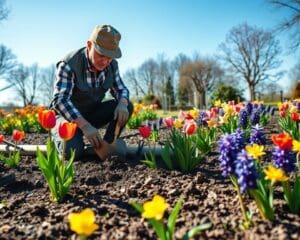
x: 283, y: 141
x: 66, y: 130
x: 18, y: 135
x: 47, y: 119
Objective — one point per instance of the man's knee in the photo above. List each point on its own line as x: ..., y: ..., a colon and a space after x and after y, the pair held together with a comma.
x: 130, y: 108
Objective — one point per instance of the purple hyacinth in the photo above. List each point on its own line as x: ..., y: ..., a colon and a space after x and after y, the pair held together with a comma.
x: 257, y: 135
x: 202, y: 119
x: 228, y: 153
x: 243, y: 118
x: 239, y: 139
x: 272, y: 111
x: 249, y: 108
x: 255, y: 117
x: 285, y: 159
x: 245, y: 171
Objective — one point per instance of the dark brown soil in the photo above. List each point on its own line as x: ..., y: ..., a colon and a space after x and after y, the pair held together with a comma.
x: 107, y: 187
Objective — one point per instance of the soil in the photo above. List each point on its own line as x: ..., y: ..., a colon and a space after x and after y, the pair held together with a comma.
x: 108, y: 186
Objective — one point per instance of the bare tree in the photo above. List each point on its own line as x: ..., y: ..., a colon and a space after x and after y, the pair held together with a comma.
x: 46, y: 85
x: 4, y: 10
x: 164, y: 72
x: 147, y: 73
x: 295, y: 73
x: 201, y: 74
x: 7, y: 62
x: 130, y: 77
x: 292, y: 22
x: 253, y: 55
x: 25, y: 80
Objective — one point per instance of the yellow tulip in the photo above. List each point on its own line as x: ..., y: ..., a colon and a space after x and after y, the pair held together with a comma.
x: 177, y: 123
x: 83, y: 223
x: 155, y: 208
x: 218, y: 103
x: 296, y: 146
x: 275, y: 174
x: 255, y: 150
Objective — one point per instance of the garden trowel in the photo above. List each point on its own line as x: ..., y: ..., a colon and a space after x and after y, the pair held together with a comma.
x: 118, y: 146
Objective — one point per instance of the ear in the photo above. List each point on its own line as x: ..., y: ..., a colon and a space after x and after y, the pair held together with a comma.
x: 88, y: 44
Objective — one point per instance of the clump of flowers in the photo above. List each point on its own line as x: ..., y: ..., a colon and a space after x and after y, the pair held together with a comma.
x: 13, y: 158
x: 283, y: 156
x: 58, y: 172
x: 154, y: 211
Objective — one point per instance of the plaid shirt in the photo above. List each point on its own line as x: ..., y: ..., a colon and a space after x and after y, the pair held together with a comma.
x: 65, y: 84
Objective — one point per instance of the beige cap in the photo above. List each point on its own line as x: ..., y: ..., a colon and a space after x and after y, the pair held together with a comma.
x: 106, y: 40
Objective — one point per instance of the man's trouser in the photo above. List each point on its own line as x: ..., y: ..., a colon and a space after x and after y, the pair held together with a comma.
x: 103, y: 114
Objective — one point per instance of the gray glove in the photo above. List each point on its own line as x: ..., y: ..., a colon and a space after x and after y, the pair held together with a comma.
x: 92, y: 135
x: 121, y: 113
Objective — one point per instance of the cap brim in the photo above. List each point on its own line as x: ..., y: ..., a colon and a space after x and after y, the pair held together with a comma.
x: 109, y: 53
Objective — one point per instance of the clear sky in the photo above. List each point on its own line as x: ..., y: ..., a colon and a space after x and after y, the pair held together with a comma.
x: 44, y: 31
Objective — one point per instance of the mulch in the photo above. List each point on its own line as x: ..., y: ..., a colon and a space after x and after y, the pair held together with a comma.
x: 108, y: 187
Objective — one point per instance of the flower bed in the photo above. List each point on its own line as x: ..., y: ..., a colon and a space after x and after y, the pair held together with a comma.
x: 108, y: 187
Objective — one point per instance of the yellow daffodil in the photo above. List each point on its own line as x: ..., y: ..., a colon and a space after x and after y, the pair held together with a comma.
x: 223, y: 119
x: 177, y: 123
x: 255, y: 150
x: 83, y: 223
x: 194, y: 113
x: 218, y: 103
x: 212, y: 123
x: 155, y: 208
x: 275, y: 174
x: 296, y: 146
x: 293, y: 109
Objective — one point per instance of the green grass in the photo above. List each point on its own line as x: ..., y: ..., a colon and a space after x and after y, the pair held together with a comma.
x: 163, y: 114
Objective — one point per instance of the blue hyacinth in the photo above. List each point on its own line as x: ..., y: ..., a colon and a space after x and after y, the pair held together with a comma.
x: 257, y: 135
x: 285, y: 159
x: 202, y: 119
x: 255, y: 116
x: 228, y: 153
x: 243, y: 118
x: 249, y: 108
x: 239, y: 139
x: 245, y: 171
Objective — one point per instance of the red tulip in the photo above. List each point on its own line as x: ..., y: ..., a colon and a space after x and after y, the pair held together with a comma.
x: 66, y: 130
x: 295, y: 116
x: 168, y: 122
x: 2, y: 138
x: 190, y: 127
x: 282, y: 113
x: 283, y: 141
x: 145, y: 131
x: 47, y: 119
x: 18, y: 135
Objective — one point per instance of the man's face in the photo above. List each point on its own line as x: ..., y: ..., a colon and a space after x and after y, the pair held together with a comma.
x: 98, y: 61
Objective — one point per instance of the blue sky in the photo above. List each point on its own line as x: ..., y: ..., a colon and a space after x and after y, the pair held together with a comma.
x: 44, y: 31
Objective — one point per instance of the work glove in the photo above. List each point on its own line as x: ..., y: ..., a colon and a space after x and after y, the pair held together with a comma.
x: 92, y: 135
x: 121, y: 113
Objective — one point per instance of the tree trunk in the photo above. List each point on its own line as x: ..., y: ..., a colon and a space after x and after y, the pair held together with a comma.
x: 252, y: 92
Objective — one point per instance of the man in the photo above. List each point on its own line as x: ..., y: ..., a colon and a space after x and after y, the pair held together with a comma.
x: 82, y: 79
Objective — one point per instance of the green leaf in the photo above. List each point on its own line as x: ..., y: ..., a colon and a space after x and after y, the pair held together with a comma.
x: 173, y: 216
x: 196, y: 230
x: 166, y: 157
x: 137, y: 206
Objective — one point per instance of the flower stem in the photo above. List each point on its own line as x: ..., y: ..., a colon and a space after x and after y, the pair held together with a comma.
x: 247, y: 222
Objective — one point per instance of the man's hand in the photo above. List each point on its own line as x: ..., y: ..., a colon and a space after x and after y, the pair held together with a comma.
x: 92, y: 135
x: 121, y: 113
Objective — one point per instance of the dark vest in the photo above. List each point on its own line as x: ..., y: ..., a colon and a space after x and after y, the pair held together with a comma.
x: 84, y: 97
